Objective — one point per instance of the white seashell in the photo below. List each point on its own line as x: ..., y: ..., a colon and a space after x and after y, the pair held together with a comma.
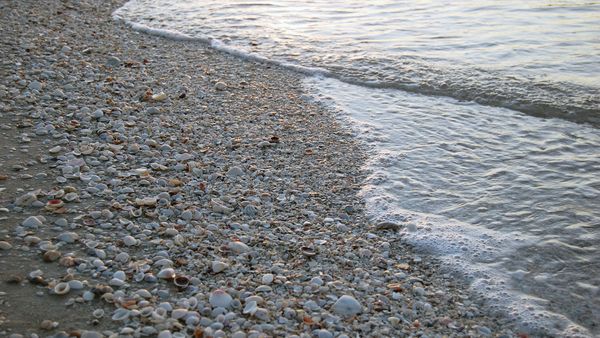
x: 179, y: 313
x: 70, y: 197
x: 250, y: 308
x: 164, y: 262
x: 218, y: 266
x: 238, y: 247
x: 88, y: 296
x: 116, y: 282
x: 146, y: 311
x: 121, y: 314
x: 347, y: 306
x: 165, y: 334
x: 122, y: 257
x: 120, y: 275
x: 129, y: 241
x: 220, y: 298
x: 62, y: 288
x: 267, y: 278
x: 167, y: 273
x: 98, y: 313
x: 75, y: 284
x: 143, y: 293
x: 32, y: 222
x: 159, y: 97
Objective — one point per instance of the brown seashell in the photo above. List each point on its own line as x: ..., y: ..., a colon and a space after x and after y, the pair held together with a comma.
x: 51, y: 256
x: 67, y: 261
x: 181, y: 281
x: 38, y: 280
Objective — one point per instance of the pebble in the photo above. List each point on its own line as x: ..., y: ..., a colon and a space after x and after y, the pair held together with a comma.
x: 267, y: 278
x: 347, y: 306
x: 5, y: 245
x: 32, y: 222
x: 218, y: 266
x: 113, y: 61
x: 220, y: 298
x: 220, y: 86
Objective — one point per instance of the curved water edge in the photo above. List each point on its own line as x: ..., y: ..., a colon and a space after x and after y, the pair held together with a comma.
x: 503, y: 199
x: 539, y: 57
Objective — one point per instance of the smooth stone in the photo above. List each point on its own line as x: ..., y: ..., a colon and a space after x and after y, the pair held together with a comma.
x: 113, y: 61
x: 218, y: 266
x: 32, y: 222
x: 122, y: 257
x: 5, y: 245
x: 91, y: 334
x: 220, y: 298
x: 220, y: 86
x: 238, y: 247
x: 235, y: 172
x: 68, y: 237
x: 267, y: 278
x: 347, y: 306
x: 129, y: 241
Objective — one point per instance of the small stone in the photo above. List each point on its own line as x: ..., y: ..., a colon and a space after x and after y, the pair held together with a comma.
x: 5, y: 245
x: 220, y: 298
x: 235, y: 172
x: 48, y: 325
x: 51, y: 256
x: 347, y: 306
x: 122, y: 257
x: 68, y: 237
x: 220, y: 86
x: 165, y: 334
x: 55, y: 150
x: 129, y: 241
x: 32, y: 222
x: 267, y: 278
x: 218, y: 266
x: 91, y: 334
x: 113, y: 61
x: 159, y: 97
x: 323, y: 334
x: 238, y: 247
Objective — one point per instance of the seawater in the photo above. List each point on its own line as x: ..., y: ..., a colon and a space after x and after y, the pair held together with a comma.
x: 481, y: 119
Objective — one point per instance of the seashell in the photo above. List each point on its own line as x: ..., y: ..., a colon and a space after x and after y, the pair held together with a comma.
x: 52, y: 205
x: 86, y: 149
x: 88, y: 296
x: 250, y: 308
x: 57, y: 194
x: 69, y: 189
x: 70, y: 197
x: 121, y: 314
x: 147, y: 201
x: 146, y: 311
x: 181, y: 282
x: 179, y: 313
x: 51, y: 256
x: 167, y: 273
x: 159, y: 97
x: 38, y: 280
x: 101, y: 289
x: 61, y: 288
x: 238, y: 247
x: 98, y: 313
x: 135, y: 212
x: 220, y: 298
x: 308, y: 251
x: 67, y: 261
x: 129, y: 240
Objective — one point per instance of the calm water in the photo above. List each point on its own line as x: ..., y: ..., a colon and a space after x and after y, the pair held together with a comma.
x: 449, y: 98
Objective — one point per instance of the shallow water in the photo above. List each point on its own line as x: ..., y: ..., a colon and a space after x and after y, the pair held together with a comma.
x: 540, y: 57
x: 447, y: 95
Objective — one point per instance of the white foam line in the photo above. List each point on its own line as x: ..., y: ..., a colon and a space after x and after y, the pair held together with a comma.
x: 217, y: 45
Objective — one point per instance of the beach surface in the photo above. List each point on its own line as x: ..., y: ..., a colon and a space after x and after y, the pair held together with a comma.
x: 153, y: 187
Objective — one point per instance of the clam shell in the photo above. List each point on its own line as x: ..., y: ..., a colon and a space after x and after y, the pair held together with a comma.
x: 308, y: 251
x: 220, y: 298
x: 61, y: 288
x: 181, y: 282
x: 121, y: 314
x: 167, y: 273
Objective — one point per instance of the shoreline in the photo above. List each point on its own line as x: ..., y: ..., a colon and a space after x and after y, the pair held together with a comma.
x: 230, y: 178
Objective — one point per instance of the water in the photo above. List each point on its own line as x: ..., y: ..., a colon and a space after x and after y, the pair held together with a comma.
x: 449, y: 98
